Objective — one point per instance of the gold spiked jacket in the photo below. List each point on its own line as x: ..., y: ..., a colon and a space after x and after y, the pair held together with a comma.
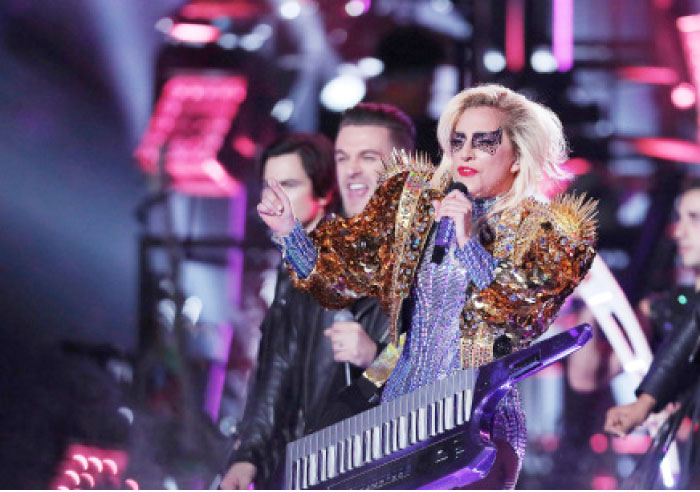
x: 543, y: 251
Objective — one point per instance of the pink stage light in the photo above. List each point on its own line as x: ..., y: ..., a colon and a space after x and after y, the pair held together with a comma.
x: 131, y: 483
x: 515, y: 35
x: 213, y: 9
x: 187, y: 130
x: 194, y: 33
x: 689, y: 28
x: 604, y: 482
x: 111, y: 465
x: 563, y: 33
x: 89, y: 479
x: 683, y: 96
x: 631, y: 444
x: 599, y: 443
x: 97, y: 462
x: 245, y: 146
x: 669, y: 149
x: 82, y: 460
x: 649, y: 75
x: 73, y: 475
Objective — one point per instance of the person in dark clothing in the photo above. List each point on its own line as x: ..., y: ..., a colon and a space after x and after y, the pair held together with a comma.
x: 304, y: 353
x: 674, y: 375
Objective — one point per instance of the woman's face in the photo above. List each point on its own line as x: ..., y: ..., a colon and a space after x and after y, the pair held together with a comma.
x: 482, y: 154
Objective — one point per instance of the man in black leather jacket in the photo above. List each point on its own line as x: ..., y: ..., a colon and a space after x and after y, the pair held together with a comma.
x: 304, y: 352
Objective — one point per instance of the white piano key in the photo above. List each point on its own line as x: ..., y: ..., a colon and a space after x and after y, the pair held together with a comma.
x: 305, y: 472
x: 349, y: 453
x: 357, y: 449
x: 394, y: 435
x: 376, y: 442
x: 367, y: 440
x: 440, y: 416
x: 467, y: 405
x: 422, y: 423
x: 331, y: 463
x: 341, y: 456
x: 432, y: 419
x: 459, y: 407
x: 403, y: 432
x: 313, y: 469
x: 386, y: 438
x: 449, y: 412
x: 413, y: 427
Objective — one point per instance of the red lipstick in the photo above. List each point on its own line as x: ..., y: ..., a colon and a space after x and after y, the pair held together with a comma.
x: 466, y: 171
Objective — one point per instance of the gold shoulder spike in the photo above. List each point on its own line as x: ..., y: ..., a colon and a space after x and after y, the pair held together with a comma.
x: 401, y: 161
x: 575, y: 215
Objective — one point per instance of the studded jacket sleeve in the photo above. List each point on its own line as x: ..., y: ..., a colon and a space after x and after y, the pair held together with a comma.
x: 541, y: 257
x: 352, y: 258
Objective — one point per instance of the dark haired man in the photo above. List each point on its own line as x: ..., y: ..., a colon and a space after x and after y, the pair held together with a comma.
x: 303, y: 353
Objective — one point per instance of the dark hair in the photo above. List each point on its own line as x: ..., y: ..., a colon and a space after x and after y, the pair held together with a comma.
x: 399, y: 124
x: 316, y: 154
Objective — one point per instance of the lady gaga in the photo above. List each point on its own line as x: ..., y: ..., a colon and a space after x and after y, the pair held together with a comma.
x: 502, y: 267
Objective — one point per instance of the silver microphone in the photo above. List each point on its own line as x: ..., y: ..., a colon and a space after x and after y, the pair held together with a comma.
x: 345, y: 315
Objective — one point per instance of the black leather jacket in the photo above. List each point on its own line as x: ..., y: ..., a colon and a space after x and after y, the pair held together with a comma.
x: 675, y: 367
x: 295, y: 377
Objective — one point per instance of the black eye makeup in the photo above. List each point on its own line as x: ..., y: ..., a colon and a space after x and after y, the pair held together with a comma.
x: 457, y: 142
x: 485, y: 141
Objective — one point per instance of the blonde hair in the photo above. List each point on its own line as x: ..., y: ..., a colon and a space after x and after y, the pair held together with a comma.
x: 533, y: 129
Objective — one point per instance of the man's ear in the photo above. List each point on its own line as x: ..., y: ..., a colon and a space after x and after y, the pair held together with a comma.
x: 325, y: 200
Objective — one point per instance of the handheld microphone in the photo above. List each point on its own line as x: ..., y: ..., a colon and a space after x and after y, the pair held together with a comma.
x: 446, y: 228
x: 345, y: 315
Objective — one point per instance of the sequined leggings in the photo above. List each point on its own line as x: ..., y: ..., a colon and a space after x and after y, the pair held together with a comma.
x: 509, y: 426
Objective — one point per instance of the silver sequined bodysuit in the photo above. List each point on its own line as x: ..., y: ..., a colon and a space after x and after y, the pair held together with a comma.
x: 431, y: 350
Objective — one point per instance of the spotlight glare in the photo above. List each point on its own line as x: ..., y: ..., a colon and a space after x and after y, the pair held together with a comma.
x: 283, y: 110
x: 228, y: 41
x: 252, y: 42
x: 343, y: 92
x: 543, y: 61
x: 370, y: 67
x: 290, y: 9
x: 683, y: 96
x: 164, y: 25
x: 356, y: 8
x: 442, y: 6
x: 194, y: 33
x: 494, y: 61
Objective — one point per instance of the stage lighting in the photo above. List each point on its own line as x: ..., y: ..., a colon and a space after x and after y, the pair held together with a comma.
x: 282, y: 110
x: 355, y: 8
x: 543, y: 61
x: 290, y: 9
x: 683, y: 96
x: 343, y: 92
x: 370, y: 67
x: 442, y: 6
x: 494, y: 61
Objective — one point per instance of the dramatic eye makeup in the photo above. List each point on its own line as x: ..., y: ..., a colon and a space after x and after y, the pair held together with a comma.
x: 485, y: 141
x: 457, y: 142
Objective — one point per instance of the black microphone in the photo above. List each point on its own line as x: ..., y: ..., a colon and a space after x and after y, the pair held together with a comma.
x: 446, y: 228
x: 345, y: 315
